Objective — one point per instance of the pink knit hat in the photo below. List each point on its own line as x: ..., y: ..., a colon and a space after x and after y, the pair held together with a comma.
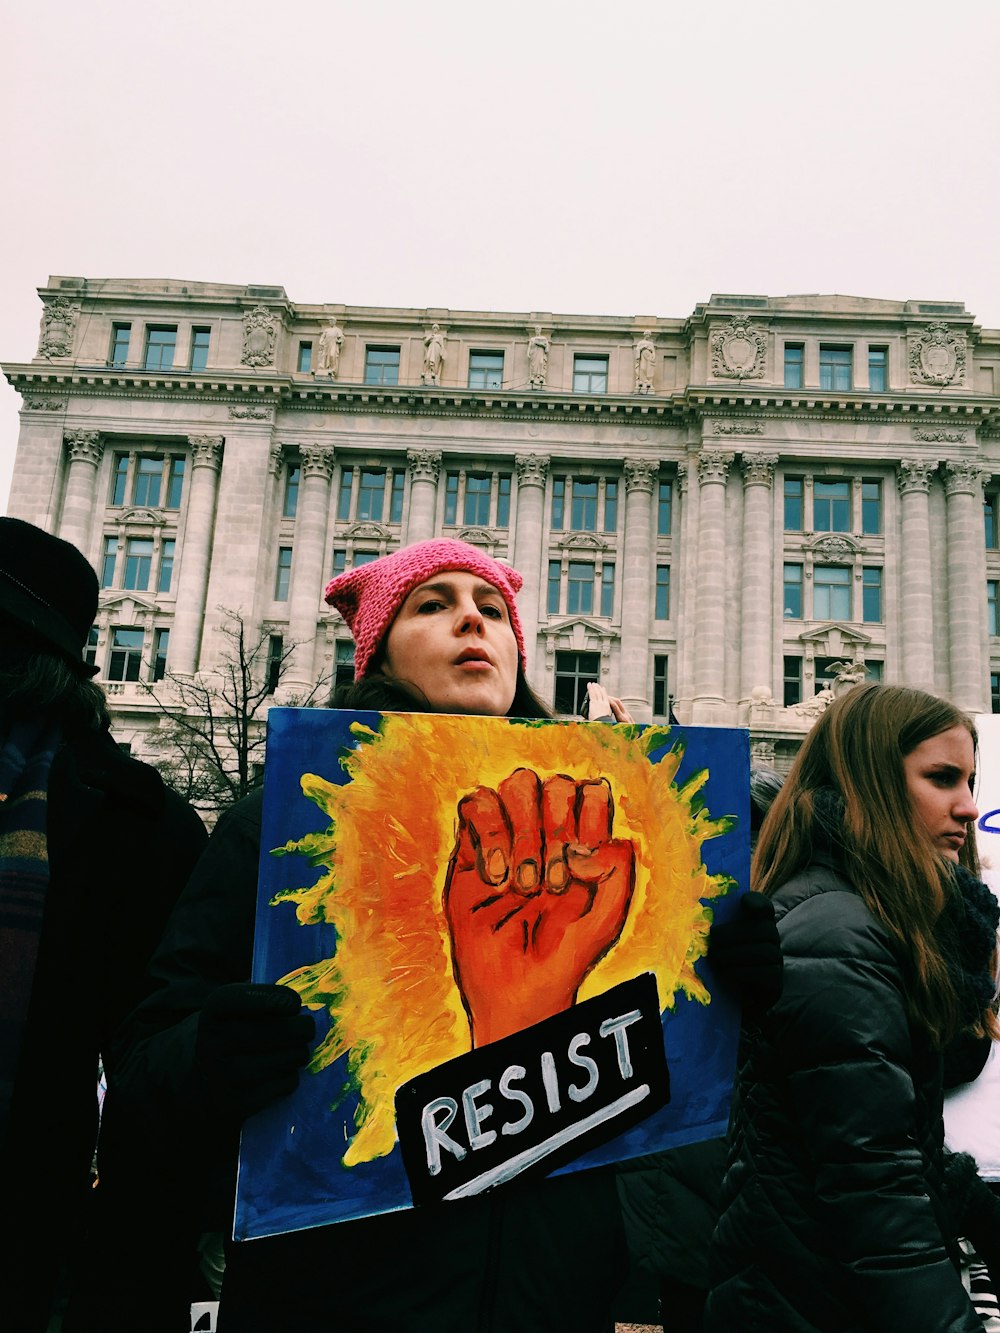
x: 370, y: 596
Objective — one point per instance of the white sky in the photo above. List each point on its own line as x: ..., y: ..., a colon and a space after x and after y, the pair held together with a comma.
x: 553, y: 155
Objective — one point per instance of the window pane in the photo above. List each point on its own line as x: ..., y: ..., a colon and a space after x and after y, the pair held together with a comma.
x: 344, y: 500
x: 305, y: 358
x: 993, y: 625
x: 994, y: 692
x: 118, y: 479
x: 662, y: 607
x: 611, y: 506
x: 607, y: 589
x: 292, y: 475
x: 793, y: 504
x: 663, y: 505
x: 339, y: 561
x: 485, y: 370
x: 555, y: 574
x: 176, y: 486
x: 835, y: 365
x: 275, y: 653
x: 160, y: 346
x: 583, y: 508
x: 871, y: 596
x: 477, y: 500
x: 108, y: 562
x: 590, y: 374
x: 381, y: 365
x: 661, y: 699
x: 558, y: 502
x: 125, y: 658
x: 283, y: 574
x: 148, y: 478
x: 580, y: 588
x: 990, y: 518
x: 793, y: 592
x: 831, y: 506
x: 877, y: 359
x: 503, y: 501
x: 831, y: 593
x: 794, y: 353
x: 396, y: 497
x: 793, y: 681
x: 138, y: 561
x: 371, y: 496
x: 364, y: 558
x: 166, y: 573
x: 871, y: 507
x: 344, y: 663
x: 573, y: 673
x: 161, y: 641
x: 199, y: 350
x: 120, y: 336
x: 451, y: 498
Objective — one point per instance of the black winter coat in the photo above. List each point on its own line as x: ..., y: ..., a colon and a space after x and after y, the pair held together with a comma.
x: 532, y: 1259
x: 833, y: 1216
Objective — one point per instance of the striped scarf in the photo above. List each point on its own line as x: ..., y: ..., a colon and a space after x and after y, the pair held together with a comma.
x: 27, y: 748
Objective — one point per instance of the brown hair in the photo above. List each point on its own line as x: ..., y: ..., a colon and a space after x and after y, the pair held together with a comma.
x: 856, y: 750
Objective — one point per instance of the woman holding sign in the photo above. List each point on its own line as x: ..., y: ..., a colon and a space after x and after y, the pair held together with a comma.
x: 835, y: 1214
x: 437, y: 629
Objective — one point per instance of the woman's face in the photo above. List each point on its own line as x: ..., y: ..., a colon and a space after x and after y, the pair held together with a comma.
x: 452, y: 641
x: 939, y: 775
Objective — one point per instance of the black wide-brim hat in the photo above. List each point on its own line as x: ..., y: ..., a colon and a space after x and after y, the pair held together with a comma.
x: 47, y: 585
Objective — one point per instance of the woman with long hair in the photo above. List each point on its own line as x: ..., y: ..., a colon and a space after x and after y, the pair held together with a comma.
x: 835, y: 1214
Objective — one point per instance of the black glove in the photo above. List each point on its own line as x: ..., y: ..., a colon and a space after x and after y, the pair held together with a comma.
x: 746, y: 952
x: 975, y: 1211
x: 252, y: 1041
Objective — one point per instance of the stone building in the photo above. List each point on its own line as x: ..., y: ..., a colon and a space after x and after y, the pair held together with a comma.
x: 732, y: 513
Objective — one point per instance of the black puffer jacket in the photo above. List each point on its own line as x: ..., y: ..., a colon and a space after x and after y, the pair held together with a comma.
x: 832, y: 1204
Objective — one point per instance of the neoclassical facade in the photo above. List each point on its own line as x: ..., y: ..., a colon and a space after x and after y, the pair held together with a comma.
x: 730, y: 514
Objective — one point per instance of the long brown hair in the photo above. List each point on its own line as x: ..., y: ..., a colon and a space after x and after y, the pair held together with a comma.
x: 856, y: 749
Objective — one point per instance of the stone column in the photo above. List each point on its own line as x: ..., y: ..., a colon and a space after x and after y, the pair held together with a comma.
x: 710, y: 593
x: 425, y: 468
x: 84, y: 448
x: 963, y: 484
x: 308, y: 563
x: 532, y: 470
x: 916, y: 657
x: 756, y: 593
x: 195, y: 555
x: 637, y: 580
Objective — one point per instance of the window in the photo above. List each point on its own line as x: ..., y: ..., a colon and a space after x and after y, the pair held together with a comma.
x: 291, y: 502
x: 161, y: 641
x: 662, y: 598
x: 835, y: 367
x: 125, y: 658
x: 831, y: 592
x: 148, y: 481
x: 992, y: 620
x: 878, y: 358
x: 871, y: 508
x: 371, y: 495
x: 664, y: 500
x: 611, y: 506
x: 793, y: 681
x: 175, y: 486
x: 381, y: 365
x: 585, y: 496
x: 118, y: 479
x: 138, y: 563
x: 794, y: 356
x: 304, y: 363
x: 339, y: 561
x: 555, y: 587
x: 275, y: 657
x: 166, y: 571
x: 608, y: 589
x: 793, y: 504
x: 90, y: 651
x: 990, y: 517
x: 871, y: 596
x: 583, y: 506
x: 792, y: 601
x: 108, y: 561
x: 503, y: 500
x: 661, y: 699
x: 283, y: 574
x: 344, y: 498
x: 485, y: 370
x: 831, y: 506
x: 161, y: 343
x: 478, y: 491
x: 995, y: 691
x: 200, y: 338
x: 344, y: 664
x: 364, y: 558
x: 574, y: 671
x: 590, y: 374
x: 121, y: 335
x: 580, y: 588
x: 367, y: 501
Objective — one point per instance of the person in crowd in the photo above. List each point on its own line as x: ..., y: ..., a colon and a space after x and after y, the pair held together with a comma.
x: 93, y: 852
x: 835, y: 1211
x: 436, y: 628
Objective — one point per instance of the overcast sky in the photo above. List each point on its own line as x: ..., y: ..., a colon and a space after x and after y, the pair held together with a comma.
x: 559, y: 155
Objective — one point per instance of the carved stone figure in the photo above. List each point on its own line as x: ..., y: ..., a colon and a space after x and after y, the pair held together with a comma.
x: 258, y: 338
x: 645, y: 361
x: 538, y: 358
x: 433, y: 356
x: 331, y: 340
x: 739, y: 351
x: 58, y: 327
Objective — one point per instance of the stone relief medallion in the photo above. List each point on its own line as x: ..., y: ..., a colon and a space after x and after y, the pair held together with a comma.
x: 937, y: 356
x: 834, y: 548
x: 739, y: 352
x: 258, y: 337
x: 59, y: 324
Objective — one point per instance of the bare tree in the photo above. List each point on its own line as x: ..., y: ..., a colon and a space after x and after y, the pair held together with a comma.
x: 211, y: 742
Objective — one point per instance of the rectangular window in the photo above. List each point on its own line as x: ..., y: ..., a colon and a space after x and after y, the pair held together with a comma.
x: 793, y: 504
x: 90, y: 651
x: 477, y: 500
x: 161, y: 642
x: 831, y: 506
x: 611, y: 506
x: 664, y: 499
x: 125, y: 658
x: 580, y: 588
x: 381, y: 365
x: 583, y: 506
x: 485, y: 370
x: 305, y: 360
x: 871, y: 595
x: 148, y: 481
x: 200, y: 339
x: 121, y: 335
x: 118, y: 479
x: 661, y: 699
x: 108, y: 561
x: 835, y: 367
x: 344, y: 498
x: 555, y: 587
x: 590, y: 374
x: 878, y: 359
x: 161, y: 343
x: 662, y: 599
x: 871, y: 508
x: 283, y: 574
x: 138, y: 563
x: 794, y: 358
x: 396, y: 496
x: 451, y: 498
x: 275, y: 659
x: 558, y: 503
x: 992, y: 613
x: 792, y: 601
x: 793, y: 681
x: 574, y: 671
x: 293, y: 474
x: 339, y: 561
x: 995, y: 691
x: 607, y: 590
x: 831, y: 592
x: 990, y: 519
x: 371, y: 496
x: 344, y: 663
x: 364, y: 558
x: 503, y: 500
x: 175, y: 486
x: 166, y: 570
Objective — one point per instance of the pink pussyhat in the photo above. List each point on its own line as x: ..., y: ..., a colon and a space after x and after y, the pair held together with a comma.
x: 370, y: 596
